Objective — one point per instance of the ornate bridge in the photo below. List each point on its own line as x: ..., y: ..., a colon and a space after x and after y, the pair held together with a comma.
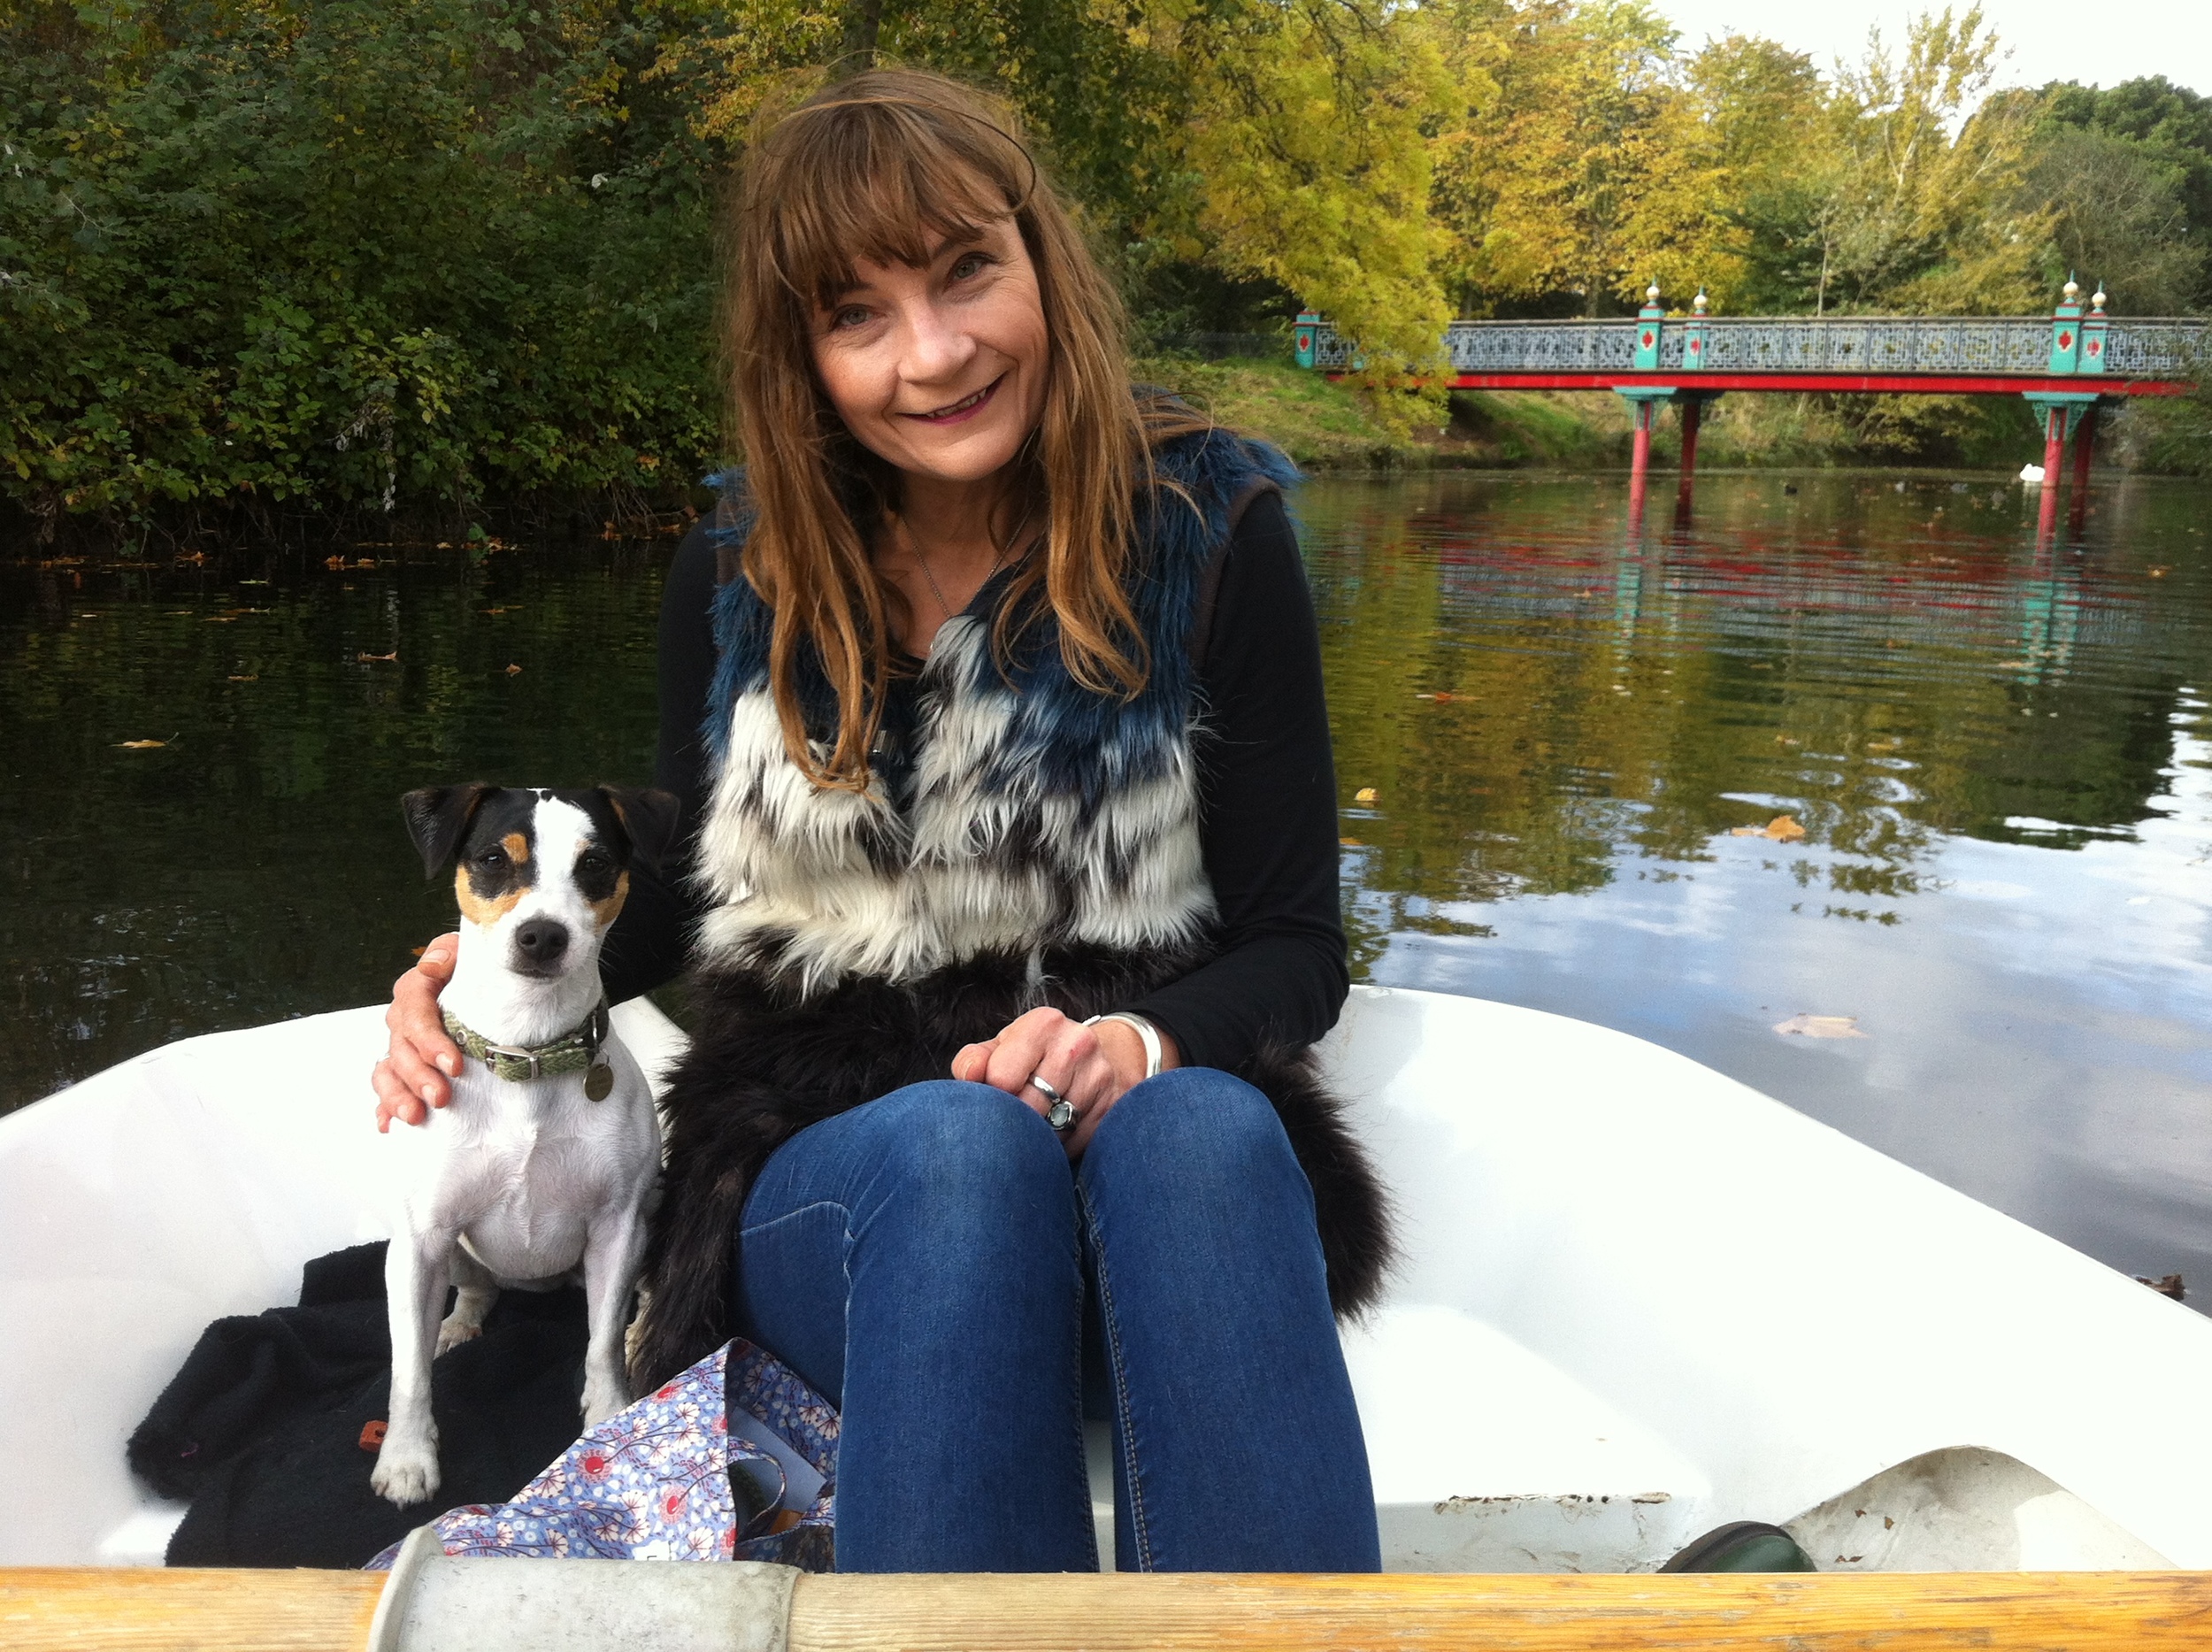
x: 2064, y: 364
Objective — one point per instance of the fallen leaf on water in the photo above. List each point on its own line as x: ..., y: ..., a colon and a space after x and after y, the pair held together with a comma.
x: 2158, y: 573
x: 371, y: 659
x: 1784, y: 740
x: 1782, y: 829
x: 1882, y: 745
x: 334, y: 562
x: 1822, y: 1026
x: 255, y: 678
x: 1349, y: 843
x: 514, y: 671
x: 1365, y: 795
x: 143, y: 745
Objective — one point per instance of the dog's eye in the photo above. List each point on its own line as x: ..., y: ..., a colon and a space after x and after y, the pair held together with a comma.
x: 595, y: 861
x: 492, y: 857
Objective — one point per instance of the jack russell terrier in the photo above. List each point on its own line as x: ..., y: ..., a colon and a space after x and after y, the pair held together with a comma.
x: 545, y: 1158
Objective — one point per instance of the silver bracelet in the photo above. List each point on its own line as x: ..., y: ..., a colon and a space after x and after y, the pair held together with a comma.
x: 1145, y: 1030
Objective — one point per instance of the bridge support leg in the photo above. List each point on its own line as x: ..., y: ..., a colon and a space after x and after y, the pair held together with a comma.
x: 2054, y: 461
x: 1693, y: 414
x: 1644, y: 403
x: 2085, y: 439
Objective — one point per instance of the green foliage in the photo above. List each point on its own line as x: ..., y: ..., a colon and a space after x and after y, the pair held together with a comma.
x: 340, y: 251
x: 2128, y: 170
x: 358, y: 254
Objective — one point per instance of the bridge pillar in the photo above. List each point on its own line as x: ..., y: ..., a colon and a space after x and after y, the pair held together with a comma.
x: 1644, y: 401
x: 2062, y: 410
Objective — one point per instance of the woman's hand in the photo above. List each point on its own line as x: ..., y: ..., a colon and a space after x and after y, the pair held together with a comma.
x: 1090, y: 1065
x: 412, y: 1078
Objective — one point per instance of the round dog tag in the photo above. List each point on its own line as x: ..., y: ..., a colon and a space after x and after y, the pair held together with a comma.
x: 599, y: 1082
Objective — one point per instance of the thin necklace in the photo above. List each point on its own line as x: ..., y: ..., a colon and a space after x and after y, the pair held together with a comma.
x: 936, y: 590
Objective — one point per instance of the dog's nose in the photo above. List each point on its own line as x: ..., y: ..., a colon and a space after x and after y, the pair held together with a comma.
x: 541, y: 942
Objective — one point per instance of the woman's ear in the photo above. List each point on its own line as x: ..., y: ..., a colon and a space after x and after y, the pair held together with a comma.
x: 436, y: 818
x: 650, y: 818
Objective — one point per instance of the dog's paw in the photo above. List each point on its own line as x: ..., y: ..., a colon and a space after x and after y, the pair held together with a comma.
x: 407, y: 1474
x: 455, y: 1331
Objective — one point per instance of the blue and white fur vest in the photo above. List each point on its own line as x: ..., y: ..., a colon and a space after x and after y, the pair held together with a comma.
x: 1023, y: 841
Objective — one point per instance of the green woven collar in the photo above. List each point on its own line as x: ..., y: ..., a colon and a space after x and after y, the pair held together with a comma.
x: 571, y: 1052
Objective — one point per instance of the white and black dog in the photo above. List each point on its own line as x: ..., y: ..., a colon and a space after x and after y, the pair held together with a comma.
x: 545, y: 1159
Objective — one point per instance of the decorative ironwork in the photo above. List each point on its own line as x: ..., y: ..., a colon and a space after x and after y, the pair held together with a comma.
x: 2157, y: 349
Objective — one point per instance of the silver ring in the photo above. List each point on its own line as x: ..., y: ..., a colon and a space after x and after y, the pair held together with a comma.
x: 1061, y: 1116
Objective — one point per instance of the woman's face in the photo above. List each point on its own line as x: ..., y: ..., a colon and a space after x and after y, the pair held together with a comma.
x: 939, y: 371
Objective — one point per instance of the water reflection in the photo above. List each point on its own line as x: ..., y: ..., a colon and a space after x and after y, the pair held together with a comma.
x: 1996, y: 753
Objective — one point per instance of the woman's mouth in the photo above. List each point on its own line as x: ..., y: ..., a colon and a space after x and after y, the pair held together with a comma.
x: 967, y: 407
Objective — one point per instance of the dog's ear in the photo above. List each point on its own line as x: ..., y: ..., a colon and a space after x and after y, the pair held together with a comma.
x: 650, y: 818
x: 436, y: 818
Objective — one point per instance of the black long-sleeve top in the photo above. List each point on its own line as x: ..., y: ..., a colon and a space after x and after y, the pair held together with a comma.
x: 1267, y: 799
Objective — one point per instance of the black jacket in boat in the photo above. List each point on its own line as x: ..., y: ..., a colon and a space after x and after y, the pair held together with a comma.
x: 1023, y: 841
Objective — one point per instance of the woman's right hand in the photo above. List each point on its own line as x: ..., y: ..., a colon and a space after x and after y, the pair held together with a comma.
x: 412, y: 1077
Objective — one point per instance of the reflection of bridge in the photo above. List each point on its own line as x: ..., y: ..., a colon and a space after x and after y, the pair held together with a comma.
x: 2065, y: 366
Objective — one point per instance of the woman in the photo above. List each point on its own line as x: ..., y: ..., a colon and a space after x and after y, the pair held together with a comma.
x: 1012, y: 721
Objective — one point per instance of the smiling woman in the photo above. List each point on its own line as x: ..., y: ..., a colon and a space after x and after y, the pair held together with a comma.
x: 993, y: 696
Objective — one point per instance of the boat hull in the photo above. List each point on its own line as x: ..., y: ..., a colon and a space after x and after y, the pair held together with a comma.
x: 1639, y: 1299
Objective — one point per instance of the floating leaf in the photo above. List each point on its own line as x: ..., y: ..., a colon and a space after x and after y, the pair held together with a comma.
x: 1821, y: 1026
x: 334, y: 563
x: 255, y: 677
x: 1785, y: 740
x: 1365, y: 795
x: 514, y: 671
x: 1349, y: 843
x: 373, y: 659
x: 1882, y: 745
x: 1782, y: 829
x: 143, y: 745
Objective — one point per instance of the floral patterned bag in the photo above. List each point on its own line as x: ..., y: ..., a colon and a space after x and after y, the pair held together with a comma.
x: 653, y: 1482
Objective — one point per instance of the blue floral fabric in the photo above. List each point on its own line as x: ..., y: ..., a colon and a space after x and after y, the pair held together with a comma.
x: 653, y: 1482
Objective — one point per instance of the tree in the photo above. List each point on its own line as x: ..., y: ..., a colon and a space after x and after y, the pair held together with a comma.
x: 1588, y: 169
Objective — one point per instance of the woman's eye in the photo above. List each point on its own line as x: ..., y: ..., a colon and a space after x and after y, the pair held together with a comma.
x: 850, y: 316
x: 970, y: 265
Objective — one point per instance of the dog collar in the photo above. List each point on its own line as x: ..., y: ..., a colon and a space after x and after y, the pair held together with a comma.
x: 573, y: 1052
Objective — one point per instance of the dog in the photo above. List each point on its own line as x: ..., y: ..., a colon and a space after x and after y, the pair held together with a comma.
x: 545, y: 1160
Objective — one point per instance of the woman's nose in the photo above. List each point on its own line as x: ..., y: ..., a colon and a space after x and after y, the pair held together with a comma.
x: 937, y: 348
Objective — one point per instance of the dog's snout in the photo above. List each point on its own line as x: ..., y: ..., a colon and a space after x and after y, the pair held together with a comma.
x: 540, y: 942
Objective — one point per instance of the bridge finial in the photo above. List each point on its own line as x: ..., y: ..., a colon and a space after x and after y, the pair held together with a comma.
x: 1651, y: 293
x: 1697, y: 304
x: 2097, y: 300
x: 2072, y: 290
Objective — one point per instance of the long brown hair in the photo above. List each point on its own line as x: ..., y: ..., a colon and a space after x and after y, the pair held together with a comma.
x: 869, y: 168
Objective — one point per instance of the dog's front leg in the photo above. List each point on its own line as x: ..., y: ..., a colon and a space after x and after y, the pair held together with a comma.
x: 414, y: 1291
x: 611, y: 1256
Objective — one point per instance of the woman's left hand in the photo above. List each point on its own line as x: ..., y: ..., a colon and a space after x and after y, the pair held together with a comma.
x: 1090, y: 1065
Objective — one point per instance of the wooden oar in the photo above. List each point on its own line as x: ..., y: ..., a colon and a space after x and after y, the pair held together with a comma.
x: 330, y: 1611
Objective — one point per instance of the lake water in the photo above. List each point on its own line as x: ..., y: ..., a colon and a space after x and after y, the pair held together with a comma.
x: 1555, y: 738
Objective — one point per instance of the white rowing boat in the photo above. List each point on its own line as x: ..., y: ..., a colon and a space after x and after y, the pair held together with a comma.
x: 1640, y: 1300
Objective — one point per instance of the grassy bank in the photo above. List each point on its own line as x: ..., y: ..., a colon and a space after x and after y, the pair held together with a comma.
x: 1327, y: 427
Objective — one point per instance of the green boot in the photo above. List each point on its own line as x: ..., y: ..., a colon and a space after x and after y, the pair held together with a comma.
x: 1742, y: 1546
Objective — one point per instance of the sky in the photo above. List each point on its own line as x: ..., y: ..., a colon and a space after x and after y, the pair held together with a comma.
x: 2049, y: 41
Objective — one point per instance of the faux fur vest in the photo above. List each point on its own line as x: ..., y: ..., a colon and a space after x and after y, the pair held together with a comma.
x: 1023, y: 841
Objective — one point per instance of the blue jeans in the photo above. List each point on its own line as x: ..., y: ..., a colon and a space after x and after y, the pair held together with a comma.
x: 925, y: 1261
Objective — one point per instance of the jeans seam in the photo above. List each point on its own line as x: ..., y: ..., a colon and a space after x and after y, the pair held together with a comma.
x: 1140, y: 1538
